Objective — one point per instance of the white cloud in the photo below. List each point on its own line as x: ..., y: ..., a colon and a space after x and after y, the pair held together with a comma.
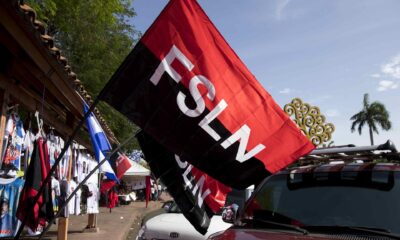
x: 392, y: 68
x: 282, y: 4
x: 387, y: 85
x: 332, y: 113
x: 286, y: 91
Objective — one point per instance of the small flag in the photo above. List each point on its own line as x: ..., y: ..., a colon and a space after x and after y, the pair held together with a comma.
x: 100, y: 144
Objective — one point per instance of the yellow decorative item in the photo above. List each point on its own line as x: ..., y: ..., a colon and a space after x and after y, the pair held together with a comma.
x: 310, y: 121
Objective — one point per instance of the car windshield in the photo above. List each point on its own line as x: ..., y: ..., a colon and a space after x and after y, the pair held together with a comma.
x: 351, y: 199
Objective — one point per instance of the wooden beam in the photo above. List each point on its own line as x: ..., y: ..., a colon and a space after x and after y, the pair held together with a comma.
x: 31, y: 104
x: 28, y: 38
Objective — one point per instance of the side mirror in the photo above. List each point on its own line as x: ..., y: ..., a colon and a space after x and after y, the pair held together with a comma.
x: 229, y: 214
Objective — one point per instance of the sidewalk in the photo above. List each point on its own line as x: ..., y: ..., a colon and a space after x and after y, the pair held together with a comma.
x: 114, y: 225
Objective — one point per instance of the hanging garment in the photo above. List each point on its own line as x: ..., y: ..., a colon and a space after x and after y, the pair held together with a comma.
x: 71, y: 203
x: 37, y: 171
x: 77, y: 206
x: 55, y: 193
x: 8, y: 131
x: 9, y: 195
x: 15, y: 133
x: 64, y: 188
x: 93, y: 200
x: 28, y: 148
x: 112, y: 199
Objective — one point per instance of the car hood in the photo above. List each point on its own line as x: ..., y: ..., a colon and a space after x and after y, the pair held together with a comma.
x: 163, y: 225
x: 257, y: 234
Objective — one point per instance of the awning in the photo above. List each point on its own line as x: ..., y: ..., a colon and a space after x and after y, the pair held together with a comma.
x: 137, y: 170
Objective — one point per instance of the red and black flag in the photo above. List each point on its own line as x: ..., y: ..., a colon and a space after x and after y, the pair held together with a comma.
x: 37, y: 171
x: 198, y: 195
x: 184, y: 86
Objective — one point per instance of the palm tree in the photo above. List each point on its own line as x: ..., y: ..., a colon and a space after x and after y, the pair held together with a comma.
x: 371, y: 114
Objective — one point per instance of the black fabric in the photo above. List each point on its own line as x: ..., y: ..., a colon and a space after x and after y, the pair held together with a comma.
x: 164, y: 166
x: 154, y: 109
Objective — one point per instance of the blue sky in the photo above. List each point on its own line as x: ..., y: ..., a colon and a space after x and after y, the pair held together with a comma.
x: 328, y: 53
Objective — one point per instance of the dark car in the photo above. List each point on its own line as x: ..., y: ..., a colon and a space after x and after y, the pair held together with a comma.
x: 336, y: 193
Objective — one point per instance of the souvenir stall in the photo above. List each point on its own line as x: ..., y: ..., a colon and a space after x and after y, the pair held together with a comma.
x: 135, y: 180
x: 40, y: 106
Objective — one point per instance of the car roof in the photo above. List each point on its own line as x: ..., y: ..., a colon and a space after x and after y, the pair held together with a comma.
x: 342, y: 167
x: 348, y: 158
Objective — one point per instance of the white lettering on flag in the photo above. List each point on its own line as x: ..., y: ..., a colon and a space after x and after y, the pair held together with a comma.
x: 165, y: 66
x: 199, y: 184
x: 243, y: 135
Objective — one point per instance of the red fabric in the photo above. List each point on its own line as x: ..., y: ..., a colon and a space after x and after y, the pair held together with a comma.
x: 148, y: 190
x: 112, y: 199
x: 37, y: 171
x: 185, y: 25
x: 123, y: 164
x: 106, y: 185
x: 216, y: 199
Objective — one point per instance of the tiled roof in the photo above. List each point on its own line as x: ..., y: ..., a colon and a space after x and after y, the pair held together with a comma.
x: 48, y: 42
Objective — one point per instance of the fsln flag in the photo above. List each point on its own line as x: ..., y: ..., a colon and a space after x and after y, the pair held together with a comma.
x: 100, y: 143
x: 198, y: 195
x: 184, y: 86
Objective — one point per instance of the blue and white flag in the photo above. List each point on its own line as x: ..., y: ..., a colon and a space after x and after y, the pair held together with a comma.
x: 100, y: 144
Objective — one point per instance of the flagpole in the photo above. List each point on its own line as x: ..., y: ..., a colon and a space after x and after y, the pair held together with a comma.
x: 81, y: 184
x: 58, y: 160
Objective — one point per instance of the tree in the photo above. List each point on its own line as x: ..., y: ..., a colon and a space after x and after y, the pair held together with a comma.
x: 372, y: 114
x: 95, y: 36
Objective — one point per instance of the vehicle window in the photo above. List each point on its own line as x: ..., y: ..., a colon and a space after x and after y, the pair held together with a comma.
x: 355, y: 199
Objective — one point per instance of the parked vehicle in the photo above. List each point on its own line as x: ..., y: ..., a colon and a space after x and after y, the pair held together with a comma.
x: 334, y: 193
x: 167, y: 206
x: 173, y: 225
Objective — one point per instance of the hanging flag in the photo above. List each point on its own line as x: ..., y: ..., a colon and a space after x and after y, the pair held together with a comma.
x: 121, y: 163
x: 148, y: 183
x: 100, y: 144
x: 198, y: 195
x: 38, y: 169
x: 184, y: 86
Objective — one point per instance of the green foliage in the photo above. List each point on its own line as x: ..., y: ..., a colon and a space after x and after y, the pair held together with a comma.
x: 372, y: 114
x: 95, y: 37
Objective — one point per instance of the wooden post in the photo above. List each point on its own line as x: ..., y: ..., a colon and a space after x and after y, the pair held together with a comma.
x: 3, y: 117
x: 63, y: 222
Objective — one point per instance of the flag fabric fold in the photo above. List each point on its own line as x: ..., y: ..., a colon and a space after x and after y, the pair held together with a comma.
x: 198, y: 195
x: 100, y: 144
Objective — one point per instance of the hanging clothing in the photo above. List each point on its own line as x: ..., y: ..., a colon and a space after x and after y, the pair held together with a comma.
x: 64, y: 189
x: 93, y: 199
x: 55, y: 193
x: 14, y: 136
x: 112, y: 199
x: 74, y: 205
x: 77, y: 206
x: 9, y: 195
x: 36, y: 173
x: 71, y: 203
